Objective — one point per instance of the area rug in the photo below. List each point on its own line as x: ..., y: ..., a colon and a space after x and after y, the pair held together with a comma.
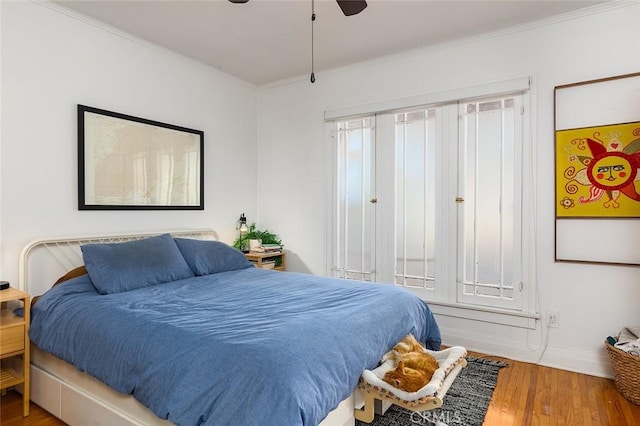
x: 465, y: 404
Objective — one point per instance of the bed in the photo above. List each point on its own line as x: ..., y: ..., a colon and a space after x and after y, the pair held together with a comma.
x: 215, y: 342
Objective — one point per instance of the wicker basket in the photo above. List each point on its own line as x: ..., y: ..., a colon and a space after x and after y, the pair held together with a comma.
x: 626, y: 372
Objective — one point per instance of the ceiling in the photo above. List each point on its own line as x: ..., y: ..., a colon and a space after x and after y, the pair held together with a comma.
x: 263, y: 41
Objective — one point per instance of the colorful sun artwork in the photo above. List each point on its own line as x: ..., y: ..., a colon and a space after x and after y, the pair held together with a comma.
x: 598, y: 171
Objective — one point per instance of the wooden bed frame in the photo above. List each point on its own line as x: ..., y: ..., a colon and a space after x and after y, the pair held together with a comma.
x: 75, y: 397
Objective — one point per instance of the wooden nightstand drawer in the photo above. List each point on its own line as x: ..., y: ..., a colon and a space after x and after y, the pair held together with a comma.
x: 11, y: 339
x: 14, y: 342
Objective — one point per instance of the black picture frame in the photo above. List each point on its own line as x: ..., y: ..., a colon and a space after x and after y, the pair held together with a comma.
x: 132, y: 163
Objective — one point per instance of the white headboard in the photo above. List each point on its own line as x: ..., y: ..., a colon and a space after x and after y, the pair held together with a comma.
x: 42, y: 262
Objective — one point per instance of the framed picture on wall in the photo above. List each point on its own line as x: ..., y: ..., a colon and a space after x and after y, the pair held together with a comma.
x: 132, y: 163
x: 597, y: 171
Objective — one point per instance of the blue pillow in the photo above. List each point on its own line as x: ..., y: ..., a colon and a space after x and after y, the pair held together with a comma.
x: 114, y: 268
x: 209, y: 257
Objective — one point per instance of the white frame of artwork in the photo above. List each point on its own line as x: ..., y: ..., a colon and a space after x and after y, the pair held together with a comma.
x: 591, y: 103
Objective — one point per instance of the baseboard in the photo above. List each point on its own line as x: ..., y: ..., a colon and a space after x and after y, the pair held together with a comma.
x: 585, y: 362
x: 593, y: 364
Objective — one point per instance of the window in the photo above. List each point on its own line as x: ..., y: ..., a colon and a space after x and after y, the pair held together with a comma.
x: 489, y: 213
x: 415, y: 204
x: 354, y: 252
x: 431, y: 199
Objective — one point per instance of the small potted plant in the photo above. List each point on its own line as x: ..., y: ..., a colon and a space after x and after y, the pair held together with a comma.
x: 265, y: 237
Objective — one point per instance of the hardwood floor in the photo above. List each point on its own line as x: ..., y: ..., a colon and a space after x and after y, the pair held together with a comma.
x: 526, y: 394
x: 11, y: 413
x: 529, y: 394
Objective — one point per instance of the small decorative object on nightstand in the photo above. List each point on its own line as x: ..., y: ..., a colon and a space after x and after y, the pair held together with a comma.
x: 242, y: 228
x: 14, y: 342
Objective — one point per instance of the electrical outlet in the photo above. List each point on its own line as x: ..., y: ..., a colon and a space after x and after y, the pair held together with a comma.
x: 553, y: 319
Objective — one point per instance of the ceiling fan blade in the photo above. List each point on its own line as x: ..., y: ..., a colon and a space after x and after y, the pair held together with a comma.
x: 352, y: 7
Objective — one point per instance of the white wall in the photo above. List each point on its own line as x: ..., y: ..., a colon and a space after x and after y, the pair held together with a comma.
x: 52, y: 61
x: 593, y: 301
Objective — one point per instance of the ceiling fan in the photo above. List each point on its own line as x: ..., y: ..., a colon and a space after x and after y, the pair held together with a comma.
x: 349, y: 7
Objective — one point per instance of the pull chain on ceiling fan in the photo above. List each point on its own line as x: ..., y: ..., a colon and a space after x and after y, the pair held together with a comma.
x: 348, y: 7
x: 313, y: 19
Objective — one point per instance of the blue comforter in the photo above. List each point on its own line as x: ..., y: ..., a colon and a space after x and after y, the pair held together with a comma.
x: 247, y: 347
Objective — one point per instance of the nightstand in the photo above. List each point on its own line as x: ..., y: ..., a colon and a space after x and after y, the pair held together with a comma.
x: 14, y: 342
x: 274, y: 260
